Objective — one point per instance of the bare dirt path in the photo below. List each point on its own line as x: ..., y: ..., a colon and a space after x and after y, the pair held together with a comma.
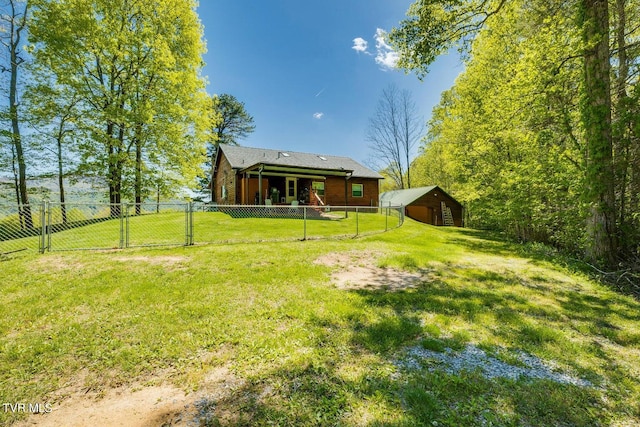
x: 138, y: 405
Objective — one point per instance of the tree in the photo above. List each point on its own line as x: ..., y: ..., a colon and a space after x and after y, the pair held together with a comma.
x: 13, y: 27
x: 134, y: 66
x: 53, y: 115
x: 232, y: 123
x: 393, y: 131
x: 433, y: 27
x: 596, y: 112
x: 626, y: 123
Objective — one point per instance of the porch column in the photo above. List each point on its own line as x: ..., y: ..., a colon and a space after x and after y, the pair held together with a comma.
x: 247, y: 199
x: 260, y: 184
x: 346, y: 195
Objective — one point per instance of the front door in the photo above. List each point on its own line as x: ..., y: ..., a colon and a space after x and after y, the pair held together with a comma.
x: 292, y: 189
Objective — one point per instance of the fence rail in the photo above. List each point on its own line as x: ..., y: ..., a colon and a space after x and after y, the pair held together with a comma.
x: 55, y: 227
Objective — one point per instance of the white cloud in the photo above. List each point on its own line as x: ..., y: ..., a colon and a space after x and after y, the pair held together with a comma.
x: 360, y: 45
x: 318, y: 116
x: 386, y: 57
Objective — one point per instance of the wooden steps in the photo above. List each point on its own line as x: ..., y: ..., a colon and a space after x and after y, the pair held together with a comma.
x: 447, y: 217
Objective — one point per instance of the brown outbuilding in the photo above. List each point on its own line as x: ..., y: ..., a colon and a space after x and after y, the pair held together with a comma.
x: 430, y: 205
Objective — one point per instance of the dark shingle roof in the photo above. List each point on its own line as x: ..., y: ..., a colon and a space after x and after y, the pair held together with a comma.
x: 245, y: 157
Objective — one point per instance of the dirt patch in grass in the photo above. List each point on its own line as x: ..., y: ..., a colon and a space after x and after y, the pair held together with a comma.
x: 156, y: 260
x: 171, y: 262
x: 118, y: 407
x: 152, y: 403
x: 66, y: 262
x: 357, y: 270
x: 56, y: 262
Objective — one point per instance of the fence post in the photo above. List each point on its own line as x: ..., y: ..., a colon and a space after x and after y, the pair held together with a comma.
x: 304, y: 220
x: 120, y: 212
x: 357, y: 224
x: 386, y: 220
x: 186, y: 224
x: 49, y: 230
x: 126, y: 231
x: 190, y: 223
x: 43, y: 228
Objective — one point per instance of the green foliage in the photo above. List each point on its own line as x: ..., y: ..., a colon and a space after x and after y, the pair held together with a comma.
x: 14, y: 26
x: 134, y: 69
x: 434, y: 27
x: 230, y: 123
x: 233, y: 122
x: 508, y: 139
x: 531, y: 137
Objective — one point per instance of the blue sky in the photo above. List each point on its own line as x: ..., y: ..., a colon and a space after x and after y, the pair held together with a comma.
x: 294, y: 65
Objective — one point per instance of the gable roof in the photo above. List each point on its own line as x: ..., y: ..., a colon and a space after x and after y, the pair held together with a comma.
x: 408, y: 196
x: 246, y: 157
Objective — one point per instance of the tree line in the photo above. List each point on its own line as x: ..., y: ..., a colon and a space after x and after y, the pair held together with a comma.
x: 540, y: 135
x: 110, y: 89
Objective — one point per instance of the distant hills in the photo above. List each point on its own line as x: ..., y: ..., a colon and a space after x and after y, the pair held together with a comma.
x: 86, y: 190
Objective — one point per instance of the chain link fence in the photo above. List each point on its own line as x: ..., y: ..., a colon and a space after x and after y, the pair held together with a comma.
x: 54, y: 227
x: 20, y: 228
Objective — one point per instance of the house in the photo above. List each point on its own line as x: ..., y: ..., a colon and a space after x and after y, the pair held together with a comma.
x: 255, y: 176
x: 430, y: 205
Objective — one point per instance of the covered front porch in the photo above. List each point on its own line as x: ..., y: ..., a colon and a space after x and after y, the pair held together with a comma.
x: 278, y: 185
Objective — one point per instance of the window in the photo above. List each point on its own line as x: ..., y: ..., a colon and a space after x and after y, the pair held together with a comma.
x: 223, y: 192
x: 318, y: 187
x: 292, y: 188
x: 356, y: 190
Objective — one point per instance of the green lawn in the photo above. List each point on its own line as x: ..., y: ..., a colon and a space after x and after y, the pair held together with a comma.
x: 310, y: 353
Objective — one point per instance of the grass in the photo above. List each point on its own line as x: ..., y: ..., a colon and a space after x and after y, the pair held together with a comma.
x: 311, y: 354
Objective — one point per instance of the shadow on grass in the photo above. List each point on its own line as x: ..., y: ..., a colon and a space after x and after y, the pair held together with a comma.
x: 323, y: 391
x: 499, y: 244
x: 318, y: 393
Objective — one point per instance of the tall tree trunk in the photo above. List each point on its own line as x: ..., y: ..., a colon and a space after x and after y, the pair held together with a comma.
x: 63, y: 207
x: 408, y: 169
x: 212, y: 182
x: 114, y: 176
x: 138, y: 183
x: 16, y: 138
x: 623, y: 124
x: 596, y: 116
x: 16, y: 185
x: 119, y: 164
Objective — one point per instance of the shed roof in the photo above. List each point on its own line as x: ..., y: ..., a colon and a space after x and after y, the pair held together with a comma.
x: 407, y: 196
x: 246, y: 157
